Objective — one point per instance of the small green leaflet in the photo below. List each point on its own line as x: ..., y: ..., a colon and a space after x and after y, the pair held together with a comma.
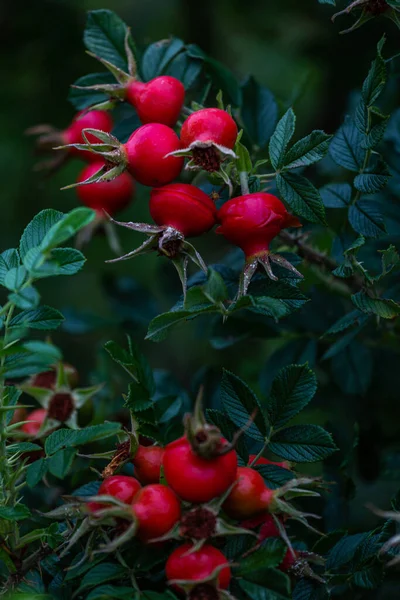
x: 387, y: 309
x: 376, y: 78
x: 346, y: 148
x: 259, y: 112
x: 303, y: 198
x: 292, y: 389
x: 308, y: 150
x: 19, y: 512
x: 281, y: 137
x: 365, y: 217
x: 43, y: 317
x: 302, y: 443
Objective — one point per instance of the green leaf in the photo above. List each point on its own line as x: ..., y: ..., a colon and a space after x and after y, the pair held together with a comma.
x: 387, y: 309
x: 302, y: 443
x: 332, y: 2
x: 9, y: 259
x: 303, y: 198
x: 365, y: 218
x: 64, y: 261
x: 228, y: 430
x: 390, y: 259
x: 259, y: 112
x: 134, y: 362
x: 346, y: 148
x: 281, y: 137
x: 244, y: 163
x: 185, y: 68
x: 308, y: 150
x: 336, y: 195
x: 27, y: 298
x: 65, y: 438
x: 370, y: 183
x: 376, y: 78
x: 105, y: 34
x: 84, y: 98
x: 275, y: 587
x: 138, y: 398
x: 66, y: 227
x: 37, y: 229
x: 106, y: 592
x: 19, y: 512
x: 20, y: 447
x: 352, y: 368
x: 35, y: 472
x: 224, y: 80
x: 343, y: 552
x: 352, y: 318
x: 215, y: 289
x: 240, y: 403
x: 14, y: 278
x: 158, y: 327
x: 100, y: 574
x: 307, y: 589
x: 270, y: 555
x: 157, y: 57
x: 292, y: 389
x: 44, y: 317
x: 274, y: 476
x: 60, y: 462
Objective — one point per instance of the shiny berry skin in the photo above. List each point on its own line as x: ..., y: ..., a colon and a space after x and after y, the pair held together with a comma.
x: 145, y: 154
x: 35, y: 421
x: 252, y: 221
x: 157, y: 101
x: 249, y: 497
x: 196, y: 479
x: 157, y: 510
x: 268, y: 529
x: 147, y: 462
x: 209, y: 125
x: 111, y: 196
x: 285, y: 464
x: 183, y: 207
x: 93, y: 119
x: 121, y: 487
x: 197, y: 565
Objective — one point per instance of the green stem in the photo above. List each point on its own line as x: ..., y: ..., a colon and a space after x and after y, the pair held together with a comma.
x: 244, y: 182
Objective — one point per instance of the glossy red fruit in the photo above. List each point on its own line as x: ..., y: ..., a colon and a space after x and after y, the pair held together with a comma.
x: 209, y: 125
x: 249, y: 497
x: 121, y: 487
x: 196, y: 566
x: 36, y: 419
x: 157, y: 101
x: 285, y: 464
x: 146, y: 152
x: 147, y: 463
x: 196, y: 479
x: 157, y: 510
x: 93, y: 119
x: 252, y: 221
x: 110, y: 196
x: 269, y: 528
x: 183, y: 207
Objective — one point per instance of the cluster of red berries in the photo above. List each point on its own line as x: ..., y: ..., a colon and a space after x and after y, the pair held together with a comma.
x: 189, y: 488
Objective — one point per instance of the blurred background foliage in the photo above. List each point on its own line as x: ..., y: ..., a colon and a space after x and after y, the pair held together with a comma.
x: 292, y: 48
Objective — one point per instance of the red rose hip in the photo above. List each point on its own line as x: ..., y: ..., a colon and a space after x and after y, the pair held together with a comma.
x: 35, y: 421
x: 187, y: 565
x: 147, y: 462
x: 121, y: 487
x: 145, y: 154
x: 110, y: 196
x: 194, y: 478
x: 249, y: 497
x: 184, y: 207
x: 92, y: 119
x: 157, y: 101
x: 157, y: 509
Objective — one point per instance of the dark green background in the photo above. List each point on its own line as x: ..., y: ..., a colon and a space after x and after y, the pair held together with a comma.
x: 291, y: 46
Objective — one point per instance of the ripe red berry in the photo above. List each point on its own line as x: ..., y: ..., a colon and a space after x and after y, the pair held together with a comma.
x: 93, y: 119
x: 249, y: 497
x: 147, y: 462
x: 209, y: 125
x: 196, y: 479
x: 207, y: 133
x: 184, y: 564
x: 268, y: 529
x: 157, y: 101
x: 121, y: 487
x: 35, y: 421
x: 145, y: 153
x: 285, y: 464
x: 252, y: 221
x: 110, y: 196
x: 183, y: 207
x: 157, y: 510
